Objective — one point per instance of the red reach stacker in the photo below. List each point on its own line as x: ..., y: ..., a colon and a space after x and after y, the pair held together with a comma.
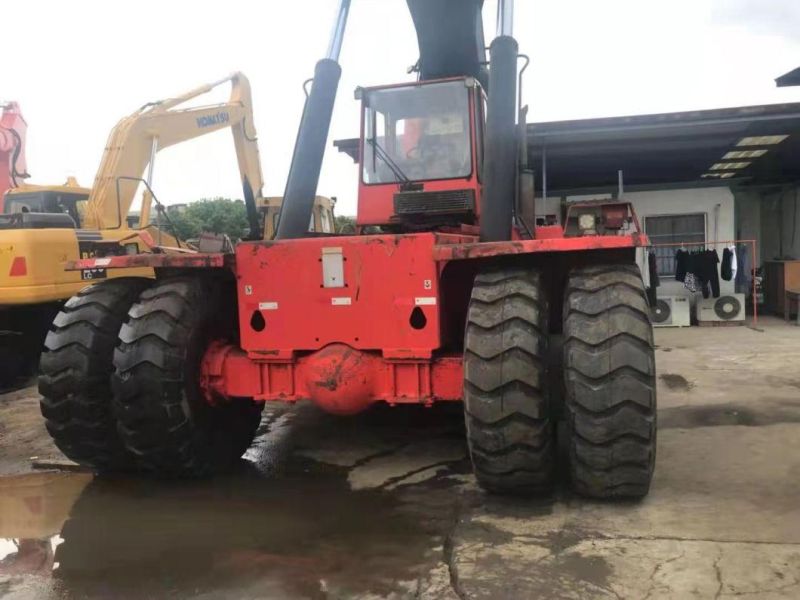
x: 448, y: 291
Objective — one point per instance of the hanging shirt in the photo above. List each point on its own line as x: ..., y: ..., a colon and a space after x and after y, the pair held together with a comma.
x: 681, y: 265
x: 705, y: 269
x: 728, y: 269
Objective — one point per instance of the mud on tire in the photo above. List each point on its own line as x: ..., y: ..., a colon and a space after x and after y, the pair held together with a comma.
x: 509, y: 431
x: 609, y: 369
x: 75, y: 370
x: 164, y: 421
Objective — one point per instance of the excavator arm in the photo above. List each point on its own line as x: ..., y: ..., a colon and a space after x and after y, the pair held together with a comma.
x: 12, y: 148
x: 136, y: 139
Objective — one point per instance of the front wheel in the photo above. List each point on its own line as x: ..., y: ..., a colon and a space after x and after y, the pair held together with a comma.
x: 164, y: 419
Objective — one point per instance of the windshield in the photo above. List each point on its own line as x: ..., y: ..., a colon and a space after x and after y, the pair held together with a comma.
x: 74, y: 204
x: 417, y: 133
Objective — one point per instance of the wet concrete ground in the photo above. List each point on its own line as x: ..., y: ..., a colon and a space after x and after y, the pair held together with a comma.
x: 383, y: 505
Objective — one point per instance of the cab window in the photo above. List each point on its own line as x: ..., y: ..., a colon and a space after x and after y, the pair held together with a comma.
x: 417, y: 133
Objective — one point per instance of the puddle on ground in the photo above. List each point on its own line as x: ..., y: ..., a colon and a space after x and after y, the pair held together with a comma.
x: 676, y: 382
x: 290, y: 527
x: 767, y: 412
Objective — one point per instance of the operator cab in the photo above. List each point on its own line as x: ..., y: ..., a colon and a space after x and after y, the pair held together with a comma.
x: 420, y: 152
x: 43, y: 209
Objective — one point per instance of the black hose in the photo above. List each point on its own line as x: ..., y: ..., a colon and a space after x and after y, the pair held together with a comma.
x: 15, y: 158
x: 309, y: 150
x: 500, y: 163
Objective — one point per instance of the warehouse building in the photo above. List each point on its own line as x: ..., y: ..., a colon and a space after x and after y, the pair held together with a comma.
x: 695, y: 178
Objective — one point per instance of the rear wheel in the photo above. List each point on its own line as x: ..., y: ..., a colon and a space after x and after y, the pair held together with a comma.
x: 75, y: 369
x: 609, y: 368
x: 164, y: 419
x: 509, y: 430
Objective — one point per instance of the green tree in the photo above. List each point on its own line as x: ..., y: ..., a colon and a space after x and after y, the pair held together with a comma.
x: 345, y: 224
x: 217, y: 215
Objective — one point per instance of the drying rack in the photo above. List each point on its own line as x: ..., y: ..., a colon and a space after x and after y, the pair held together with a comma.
x: 722, y: 243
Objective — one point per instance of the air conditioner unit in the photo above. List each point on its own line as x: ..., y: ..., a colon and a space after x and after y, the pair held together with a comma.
x: 728, y: 307
x: 671, y: 311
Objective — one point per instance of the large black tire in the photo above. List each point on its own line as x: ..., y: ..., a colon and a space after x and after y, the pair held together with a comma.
x: 75, y: 370
x: 163, y: 418
x: 509, y: 430
x: 610, y: 377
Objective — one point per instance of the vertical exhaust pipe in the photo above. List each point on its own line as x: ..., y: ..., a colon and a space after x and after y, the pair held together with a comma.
x: 309, y: 149
x: 500, y: 163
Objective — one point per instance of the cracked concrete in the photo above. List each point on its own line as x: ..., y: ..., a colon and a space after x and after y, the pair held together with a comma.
x: 383, y: 505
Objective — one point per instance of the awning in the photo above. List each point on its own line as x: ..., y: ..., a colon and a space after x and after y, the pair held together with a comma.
x: 751, y: 144
x: 791, y: 78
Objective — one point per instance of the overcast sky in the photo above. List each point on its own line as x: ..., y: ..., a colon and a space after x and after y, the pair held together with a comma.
x: 77, y: 67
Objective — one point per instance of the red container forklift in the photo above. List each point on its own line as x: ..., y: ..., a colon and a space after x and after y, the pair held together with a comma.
x: 448, y: 291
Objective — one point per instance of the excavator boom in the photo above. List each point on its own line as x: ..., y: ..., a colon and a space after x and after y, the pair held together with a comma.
x: 134, y: 142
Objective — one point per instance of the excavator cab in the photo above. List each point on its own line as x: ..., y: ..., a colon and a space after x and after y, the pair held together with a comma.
x: 45, y: 207
x: 420, y: 145
x: 48, y: 201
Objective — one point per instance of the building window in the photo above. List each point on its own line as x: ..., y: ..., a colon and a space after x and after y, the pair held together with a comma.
x: 689, y: 230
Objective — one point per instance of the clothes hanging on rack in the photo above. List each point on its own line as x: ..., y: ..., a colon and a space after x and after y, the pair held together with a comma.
x: 728, y: 268
x: 706, y: 270
x: 702, y: 266
x: 691, y: 283
x: 743, y: 277
x: 681, y: 262
x: 652, y: 269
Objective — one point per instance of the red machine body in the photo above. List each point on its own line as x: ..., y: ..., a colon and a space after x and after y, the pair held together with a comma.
x: 13, y: 130
x: 446, y: 291
x: 363, y: 318
x: 346, y: 321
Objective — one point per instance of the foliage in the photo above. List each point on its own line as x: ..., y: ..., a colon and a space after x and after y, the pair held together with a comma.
x: 217, y: 215
x: 345, y: 224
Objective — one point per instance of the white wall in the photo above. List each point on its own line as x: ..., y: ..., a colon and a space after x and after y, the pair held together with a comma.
x: 688, y: 201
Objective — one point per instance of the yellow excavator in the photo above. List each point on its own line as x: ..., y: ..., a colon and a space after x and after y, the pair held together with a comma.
x: 43, y: 227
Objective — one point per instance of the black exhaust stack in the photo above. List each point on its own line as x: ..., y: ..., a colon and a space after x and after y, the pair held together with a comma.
x: 500, y: 163
x: 309, y: 149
